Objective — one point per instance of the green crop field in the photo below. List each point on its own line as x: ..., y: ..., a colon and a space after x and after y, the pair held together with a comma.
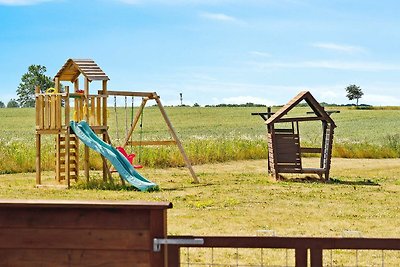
x: 209, y: 135
x: 235, y: 195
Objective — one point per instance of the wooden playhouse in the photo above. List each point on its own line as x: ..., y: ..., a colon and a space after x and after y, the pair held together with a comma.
x: 284, y: 146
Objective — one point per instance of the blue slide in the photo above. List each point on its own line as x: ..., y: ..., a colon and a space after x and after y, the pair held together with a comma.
x: 120, y: 163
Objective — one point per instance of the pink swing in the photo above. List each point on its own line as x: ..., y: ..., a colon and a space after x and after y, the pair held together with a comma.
x: 130, y: 157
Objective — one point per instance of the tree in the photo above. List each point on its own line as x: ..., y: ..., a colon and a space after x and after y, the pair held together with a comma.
x: 26, y: 89
x: 12, y: 104
x: 2, y: 104
x: 354, y: 92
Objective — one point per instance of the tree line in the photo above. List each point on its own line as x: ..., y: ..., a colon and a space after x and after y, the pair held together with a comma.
x: 36, y: 77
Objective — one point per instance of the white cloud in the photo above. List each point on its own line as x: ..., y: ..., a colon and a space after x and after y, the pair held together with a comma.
x: 260, y: 54
x: 193, y: 2
x: 380, y: 100
x: 339, y: 47
x: 218, y: 17
x: 22, y: 2
x: 174, y: 2
x: 338, y: 65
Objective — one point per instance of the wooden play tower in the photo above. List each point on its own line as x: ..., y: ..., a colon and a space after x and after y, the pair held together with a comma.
x: 53, y: 114
x: 55, y: 110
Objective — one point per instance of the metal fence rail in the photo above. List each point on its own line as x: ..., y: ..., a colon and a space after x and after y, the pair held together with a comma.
x: 306, y: 249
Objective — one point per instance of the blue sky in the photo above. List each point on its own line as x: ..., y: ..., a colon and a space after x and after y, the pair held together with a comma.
x: 213, y: 51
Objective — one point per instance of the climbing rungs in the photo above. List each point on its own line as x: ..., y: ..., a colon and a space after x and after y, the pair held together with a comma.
x: 71, y: 138
x: 71, y: 162
x: 71, y: 146
x: 73, y: 169
x: 71, y: 177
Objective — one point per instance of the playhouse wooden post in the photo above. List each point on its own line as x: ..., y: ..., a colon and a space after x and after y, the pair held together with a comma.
x: 38, y: 160
x: 323, y: 145
x: 106, y: 170
x: 269, y: 112
x: 39, y: 118
x: 86, y: 117
x: 67, y: 140
x: 285, y: 146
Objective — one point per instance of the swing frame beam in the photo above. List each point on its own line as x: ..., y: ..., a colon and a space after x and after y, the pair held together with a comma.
x: 146, y: 96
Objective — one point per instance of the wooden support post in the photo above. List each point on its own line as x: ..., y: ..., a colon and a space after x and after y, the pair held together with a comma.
x: 37, y: 105
x: 76, y: 85
x: 58, y: 158
x: 38, y: 160
x: 300, y: 257
x: 57, y: 84
x: 174, y: 259
x: 328, y: 152
x: 98, y: 111
x: 268, y: 163
x: 67, y: 141
x: 273, y: 154
x: 67, y: 157
x: 40, y: 112
x: 46, y: 112
x: 323, y: 145
x: 77, y: 105
x: 316, y: 257
x: 106, y: 170
x: 86, y: 117
x: 67, y: 107
x: 178, y: 142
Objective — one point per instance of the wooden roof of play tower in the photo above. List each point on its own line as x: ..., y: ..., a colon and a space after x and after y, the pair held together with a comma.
x: 87, y: 67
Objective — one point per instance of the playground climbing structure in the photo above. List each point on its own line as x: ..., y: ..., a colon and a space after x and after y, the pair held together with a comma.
x: 57, y: 108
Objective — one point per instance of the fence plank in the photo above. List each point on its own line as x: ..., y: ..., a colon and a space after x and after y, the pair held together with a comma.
x: 301, y: 257
x: 316, y: 257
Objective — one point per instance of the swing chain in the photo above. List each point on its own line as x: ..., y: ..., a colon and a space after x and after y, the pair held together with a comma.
x: 116, y: 117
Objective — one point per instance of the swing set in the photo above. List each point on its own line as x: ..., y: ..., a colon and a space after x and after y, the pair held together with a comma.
x: 138, y: 119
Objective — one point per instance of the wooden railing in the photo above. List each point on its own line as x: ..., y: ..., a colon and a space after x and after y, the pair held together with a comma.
x: 49, y: 111
x: 301, y: 245
x: 90, y: 107
x: 52, y: 116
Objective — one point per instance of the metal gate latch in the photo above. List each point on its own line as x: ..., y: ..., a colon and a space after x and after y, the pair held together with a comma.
x: 157, y: 242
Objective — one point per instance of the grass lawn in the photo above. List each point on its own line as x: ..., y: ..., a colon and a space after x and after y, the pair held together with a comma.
x: 238, y: 198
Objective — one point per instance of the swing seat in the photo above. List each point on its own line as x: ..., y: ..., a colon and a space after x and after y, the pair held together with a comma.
x: 130, y: 157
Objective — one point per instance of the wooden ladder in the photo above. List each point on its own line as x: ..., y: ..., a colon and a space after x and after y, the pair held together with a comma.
x: 61, y: 157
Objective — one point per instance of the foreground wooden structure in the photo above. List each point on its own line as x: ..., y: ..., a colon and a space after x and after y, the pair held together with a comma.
x: 55, y: 110
x: 72, y: 233
x: 284, y: 146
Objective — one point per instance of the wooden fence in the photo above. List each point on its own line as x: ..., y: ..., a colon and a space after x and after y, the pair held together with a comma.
x: 305, y: 248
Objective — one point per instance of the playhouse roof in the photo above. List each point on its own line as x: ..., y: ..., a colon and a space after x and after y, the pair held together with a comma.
x: 87, y: 67
x: 314, y: 105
